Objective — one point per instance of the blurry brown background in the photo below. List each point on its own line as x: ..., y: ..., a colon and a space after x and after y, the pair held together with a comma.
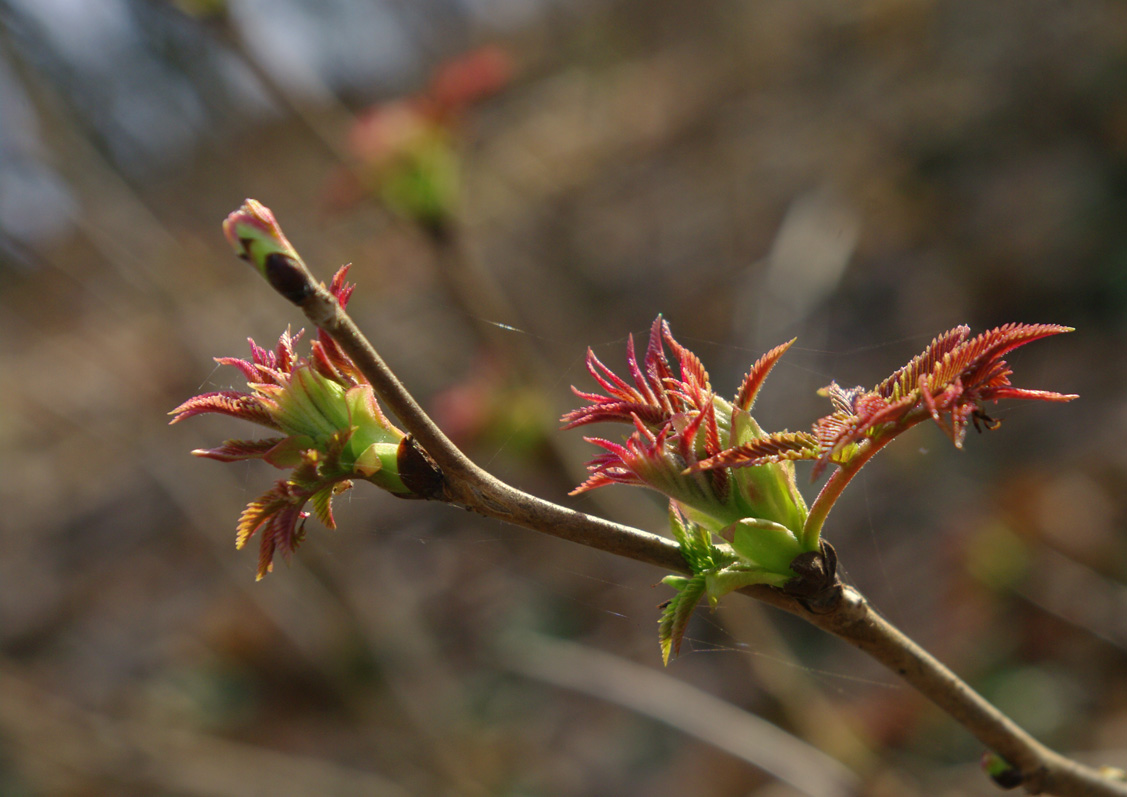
x: 862, y: 175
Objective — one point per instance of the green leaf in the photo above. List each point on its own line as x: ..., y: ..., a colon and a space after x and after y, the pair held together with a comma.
x: 684, y: 531
x: 721, y: 582
x: 677, y: 611
x: 764, y: 543
x: 697, y: 547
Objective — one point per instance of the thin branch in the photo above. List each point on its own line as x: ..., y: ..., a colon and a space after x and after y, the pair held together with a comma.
x: 1043, y: 770
x: 466, y: 484
x: 833, y: 488
x: 849, y: 617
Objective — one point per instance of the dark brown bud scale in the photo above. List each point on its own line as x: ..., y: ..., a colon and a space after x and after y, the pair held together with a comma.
x: 418, y: 471
x: 288, y: 277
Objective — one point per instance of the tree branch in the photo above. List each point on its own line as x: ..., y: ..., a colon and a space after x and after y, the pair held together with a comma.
x: 1043, y: 770
x: 466, y: 484
x: 847, y: 614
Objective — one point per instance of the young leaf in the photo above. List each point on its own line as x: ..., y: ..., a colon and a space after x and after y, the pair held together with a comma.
x: 677, y: 611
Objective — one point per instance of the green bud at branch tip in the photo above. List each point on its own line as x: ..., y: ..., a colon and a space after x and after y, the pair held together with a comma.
x: 257, y: 238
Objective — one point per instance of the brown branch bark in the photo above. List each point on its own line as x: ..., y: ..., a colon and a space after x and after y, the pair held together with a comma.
x: 848, y: 615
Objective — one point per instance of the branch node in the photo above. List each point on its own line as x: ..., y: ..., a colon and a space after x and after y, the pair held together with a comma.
x: 816, y: 585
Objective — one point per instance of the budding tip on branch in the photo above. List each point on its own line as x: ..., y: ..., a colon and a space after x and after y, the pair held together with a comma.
x: 257, y: 238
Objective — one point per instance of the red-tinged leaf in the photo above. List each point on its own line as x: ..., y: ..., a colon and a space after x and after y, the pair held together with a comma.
x: 1035, y: 395
x: 322, y: 364
x: 225, y: 402
x: 721, y: 482
x: 592, y: 482
x: 959, y: 418
x: 972, y: 359
x: 285, y: 353
x: 686, y: 438
x: 955, y: 363
x: 674, y: 417
x: 255, y: 514
x: 615, y: 452
x: 261, y: 356
x: 780, y: 447
x: 998, y: 342
x: 645, y: 437
x: 836, y: 432
x: 843, y: 400
x: 621, y: 411
x: 692, y: 369
x: 749, y: 389
x: 250, y: 370
x: 326, y: 350
x: 256, y: 373
x: 235, y: 450
x: 265, y: 556
x: 949, y: 380
x: 283, y: 533
x: 831, y: 428
x: 277, y: 515
x: 656, y: 396
x: 620, y: 463
x: 657, y: 367
x: 610, y: 381
x: 1008, y: 337
x: 341, y: 289
x: 906, y: 379
x: 938, y: 405
x: 645, y: 389
x: 592, y: 397
x: 711, y: 429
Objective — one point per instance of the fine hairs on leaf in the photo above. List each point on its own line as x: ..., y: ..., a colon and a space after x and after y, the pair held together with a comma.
x: 738, y: 519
